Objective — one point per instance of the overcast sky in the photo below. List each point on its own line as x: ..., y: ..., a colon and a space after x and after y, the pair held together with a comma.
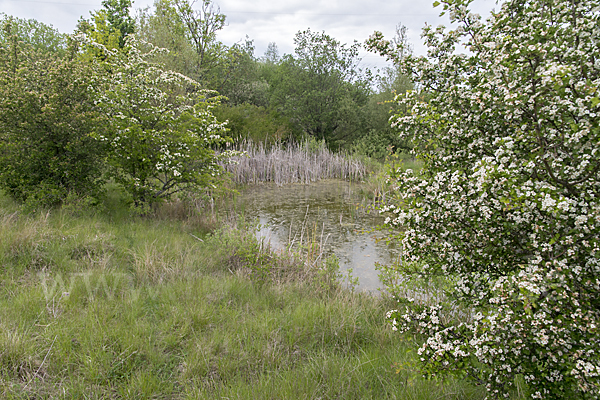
x: 276, y: 21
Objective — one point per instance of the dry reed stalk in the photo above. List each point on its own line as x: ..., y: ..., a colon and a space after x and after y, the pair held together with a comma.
x: 294, y: 163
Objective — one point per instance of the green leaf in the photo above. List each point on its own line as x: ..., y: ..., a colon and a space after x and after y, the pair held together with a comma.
x: 436, y: 3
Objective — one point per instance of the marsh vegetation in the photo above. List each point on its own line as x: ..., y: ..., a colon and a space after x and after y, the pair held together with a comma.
x: 103, y: 304
x: 306, y: 162
x: 129, y: 269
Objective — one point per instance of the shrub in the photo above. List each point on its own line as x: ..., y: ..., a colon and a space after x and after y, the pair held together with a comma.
x: 162, y: 129
x: 257, y: 124
x: 47, y: 114
x: 507, y: 205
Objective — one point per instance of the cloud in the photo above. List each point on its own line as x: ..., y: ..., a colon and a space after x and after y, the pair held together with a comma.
x: 266, y: 21
x: 347, y: 21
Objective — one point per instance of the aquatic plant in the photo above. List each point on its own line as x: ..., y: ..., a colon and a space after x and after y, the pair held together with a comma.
x: 305, y: 162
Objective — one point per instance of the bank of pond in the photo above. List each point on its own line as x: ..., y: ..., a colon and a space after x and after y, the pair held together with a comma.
x: 321, y: 219
x: 183, y: 304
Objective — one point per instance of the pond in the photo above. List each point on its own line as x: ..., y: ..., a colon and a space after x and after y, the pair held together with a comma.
x: 332, y: 213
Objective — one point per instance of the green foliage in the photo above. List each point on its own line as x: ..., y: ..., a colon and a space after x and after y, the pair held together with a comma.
x: 380, y: 140
x: 47, y: 113
x: 393, y: 82
x: 189, y: 30
x: 329, y: 275
x: 118, y: 18
x: 39, y: 36
x: 271, y: 55
x: 506, y: 206
x: 202, y: 26
x: 164, y: 28
x: 257, y: 124
x: 321, y: 88
x: 109, y: 26
x: 162, y: 128
x: 375, y: 144
x: 241, y: 80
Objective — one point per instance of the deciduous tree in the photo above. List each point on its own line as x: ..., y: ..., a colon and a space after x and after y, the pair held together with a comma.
x: 507, y: 206
x: 321, y: 88
x: 110, y: 25
x: 39, y: 36
x: 162, y: 129
x: 47, y: 113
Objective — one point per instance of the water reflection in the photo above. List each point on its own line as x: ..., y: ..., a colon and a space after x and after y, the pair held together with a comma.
x: 330, y: 212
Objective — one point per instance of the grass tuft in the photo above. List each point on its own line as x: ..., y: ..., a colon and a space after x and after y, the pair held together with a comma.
x: 103, y: 306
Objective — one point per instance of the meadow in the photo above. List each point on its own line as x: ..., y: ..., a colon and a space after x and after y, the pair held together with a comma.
x: 99, y: 303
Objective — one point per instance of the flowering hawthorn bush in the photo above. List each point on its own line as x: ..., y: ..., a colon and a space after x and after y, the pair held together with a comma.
x: 163, y: 131
x: 507, y: 206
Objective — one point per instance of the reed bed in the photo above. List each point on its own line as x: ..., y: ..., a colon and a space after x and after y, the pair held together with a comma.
x: 292, y: 163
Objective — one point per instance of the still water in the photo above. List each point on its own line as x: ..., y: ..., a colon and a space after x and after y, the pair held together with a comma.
x: 330, y: 212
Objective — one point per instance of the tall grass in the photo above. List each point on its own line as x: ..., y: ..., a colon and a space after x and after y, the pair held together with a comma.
x: 101, y: 306
x: 305, y: 162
